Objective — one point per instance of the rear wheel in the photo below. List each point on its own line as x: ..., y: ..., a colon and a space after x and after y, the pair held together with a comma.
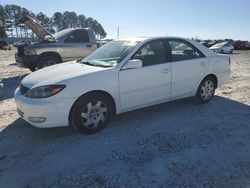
x: 47, y: 61
x: 206, y: 90
x: 91, y: 113
x: 221, y: 51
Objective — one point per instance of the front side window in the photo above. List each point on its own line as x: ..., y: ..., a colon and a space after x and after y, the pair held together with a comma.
x: 152, y: 53
x: 77, y: 36
x: 182, y: 50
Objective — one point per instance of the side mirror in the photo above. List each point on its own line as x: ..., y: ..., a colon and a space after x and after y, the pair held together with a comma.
x: 133, y: 64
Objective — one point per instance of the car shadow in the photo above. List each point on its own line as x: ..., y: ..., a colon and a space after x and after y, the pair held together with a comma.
x: 174, y: 110
x: 13, y: 64
x: 235, y: 53
x: 52, y: 149
x: 181, y: 109
x: 8, y: 86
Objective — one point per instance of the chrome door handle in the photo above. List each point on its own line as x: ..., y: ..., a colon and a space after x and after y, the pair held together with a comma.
x: 165, y: 71
x: 203, y: 64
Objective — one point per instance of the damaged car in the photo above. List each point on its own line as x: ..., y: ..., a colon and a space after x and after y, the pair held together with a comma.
x: 66, y: 45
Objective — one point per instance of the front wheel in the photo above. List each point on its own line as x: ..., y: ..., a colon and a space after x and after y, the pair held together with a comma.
x: 90, y: 114
x: 206, y: 90
x: 47, y: 61
x: 32, y: 68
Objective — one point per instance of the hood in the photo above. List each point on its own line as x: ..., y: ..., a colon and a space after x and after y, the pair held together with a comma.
x: 36, y: 27
x: 56, y: 74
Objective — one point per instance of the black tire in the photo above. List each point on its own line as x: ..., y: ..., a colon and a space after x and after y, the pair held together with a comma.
x: 81, y: 109
x: 222, y: 51
x: 231, y: 51
x: 47, y: 61
x: 32, y: 68
x: 206, y: 88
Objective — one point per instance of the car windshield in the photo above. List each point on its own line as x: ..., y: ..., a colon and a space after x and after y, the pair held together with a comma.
x: 110, y: 54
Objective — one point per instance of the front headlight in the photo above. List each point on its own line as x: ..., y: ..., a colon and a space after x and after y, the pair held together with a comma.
x: 44, y: 91
x: 30, y: 52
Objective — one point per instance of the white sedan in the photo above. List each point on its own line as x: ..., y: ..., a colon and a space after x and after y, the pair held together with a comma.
x: 223, y: 47
x: 120, y: 76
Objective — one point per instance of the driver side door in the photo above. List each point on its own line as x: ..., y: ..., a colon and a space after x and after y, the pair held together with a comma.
x: 149, y: 84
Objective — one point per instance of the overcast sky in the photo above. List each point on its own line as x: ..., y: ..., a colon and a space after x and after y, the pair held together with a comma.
x: 207, y: 19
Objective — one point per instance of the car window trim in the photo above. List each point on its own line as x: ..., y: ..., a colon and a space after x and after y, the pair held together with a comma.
x: 165, y: 46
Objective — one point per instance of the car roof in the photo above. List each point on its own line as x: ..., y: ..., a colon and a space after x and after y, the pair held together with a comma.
x: 148, y: 38
x: 201, y: 47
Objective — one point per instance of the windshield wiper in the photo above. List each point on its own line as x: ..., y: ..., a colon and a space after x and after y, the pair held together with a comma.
x: 105, y: 66
x: 87, y: 63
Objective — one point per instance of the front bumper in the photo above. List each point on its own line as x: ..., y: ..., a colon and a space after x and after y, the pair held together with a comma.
x: 26, y: 61
x: 55, y: 111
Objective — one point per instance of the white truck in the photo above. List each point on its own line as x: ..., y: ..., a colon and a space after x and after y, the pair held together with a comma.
x: 66, y: 45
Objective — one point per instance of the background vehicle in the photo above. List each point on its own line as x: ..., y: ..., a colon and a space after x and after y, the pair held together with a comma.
x: 211, y: 43
x: 223, y: 47
x: 67, y: 45
x: 204, y: 43
x: 241, y: 45
x: 120, y: 76
x: 4, y: 45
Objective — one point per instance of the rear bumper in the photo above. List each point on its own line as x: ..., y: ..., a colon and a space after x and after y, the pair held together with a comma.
x: 224, y: 77
x: 6, y: 48
x: 26, y: 61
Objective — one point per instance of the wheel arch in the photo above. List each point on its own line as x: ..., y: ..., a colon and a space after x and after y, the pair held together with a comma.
x: 95, y: 92
x: 53, y: 54
x: 213, y: 76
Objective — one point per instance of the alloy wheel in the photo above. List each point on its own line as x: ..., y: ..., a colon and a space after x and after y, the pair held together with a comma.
x: 94, y: 114
x: 207, y: 90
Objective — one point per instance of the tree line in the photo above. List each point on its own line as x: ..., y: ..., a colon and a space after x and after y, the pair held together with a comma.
x: 10, y: 14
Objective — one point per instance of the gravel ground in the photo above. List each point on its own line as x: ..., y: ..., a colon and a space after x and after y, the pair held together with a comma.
x: 177, y: 144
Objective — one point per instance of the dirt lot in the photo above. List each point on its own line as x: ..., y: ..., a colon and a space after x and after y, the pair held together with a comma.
x: 177, y: 144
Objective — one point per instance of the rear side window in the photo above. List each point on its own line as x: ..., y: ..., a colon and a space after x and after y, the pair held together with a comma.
x: 78, y: 36
x: 182, y: 50
x: 152, y: 53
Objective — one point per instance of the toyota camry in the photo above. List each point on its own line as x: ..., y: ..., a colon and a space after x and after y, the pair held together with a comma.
x: 121, y: 76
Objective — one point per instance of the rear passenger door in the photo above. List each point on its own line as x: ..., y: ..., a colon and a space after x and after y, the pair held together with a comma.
x: 188, y: 67
x: 77, y: 45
